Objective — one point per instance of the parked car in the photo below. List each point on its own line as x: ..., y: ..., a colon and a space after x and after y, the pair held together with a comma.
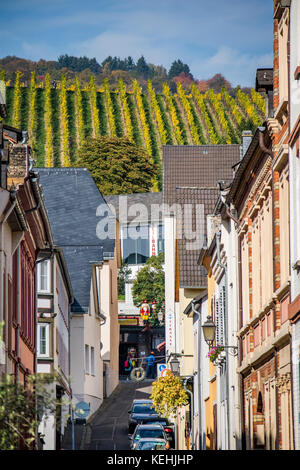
x: 169, y: 428
x: 140, y: 410
x: 151, y: 444
x: 149, y: 431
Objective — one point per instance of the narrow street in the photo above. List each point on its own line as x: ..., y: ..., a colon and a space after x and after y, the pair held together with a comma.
x: 108, y: 429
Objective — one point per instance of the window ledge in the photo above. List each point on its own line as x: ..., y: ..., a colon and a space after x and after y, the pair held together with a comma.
x: 281, y: 109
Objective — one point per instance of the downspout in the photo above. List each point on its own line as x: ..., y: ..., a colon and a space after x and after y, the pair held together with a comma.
x: 192, y: 407
x: 224, y: 267
x: 199, y: 373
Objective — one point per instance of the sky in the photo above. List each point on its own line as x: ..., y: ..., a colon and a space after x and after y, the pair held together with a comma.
x: 233, y: 38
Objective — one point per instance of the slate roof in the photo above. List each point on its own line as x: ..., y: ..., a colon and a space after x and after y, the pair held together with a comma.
x: 190, y: 273
x: 72, y: 199
x: 147, y: 199
x: 190, y: 175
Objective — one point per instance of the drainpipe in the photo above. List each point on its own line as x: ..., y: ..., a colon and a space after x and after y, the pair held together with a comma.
x: 224, y: 267
x: 261, y: 142
x: 199, y: 374
x: 192, y: 407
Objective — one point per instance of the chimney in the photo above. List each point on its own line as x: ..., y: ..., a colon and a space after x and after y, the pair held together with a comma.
x: 246, y: 140
x: 18, y: 165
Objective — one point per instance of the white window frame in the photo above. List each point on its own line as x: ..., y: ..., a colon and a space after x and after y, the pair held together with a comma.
x: 47, y: 328
x: 87, y: 358
x: 47, y: 290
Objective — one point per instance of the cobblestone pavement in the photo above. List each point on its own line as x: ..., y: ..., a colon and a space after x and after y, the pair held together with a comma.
x: 109, y: 427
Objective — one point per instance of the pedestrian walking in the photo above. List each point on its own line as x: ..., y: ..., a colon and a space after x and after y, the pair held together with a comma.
x: 150, y: 366
x: 127, y: 367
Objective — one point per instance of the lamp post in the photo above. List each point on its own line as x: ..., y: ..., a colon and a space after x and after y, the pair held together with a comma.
x: 209, y: 331
x: 160, y: 317
x: 175, y: 366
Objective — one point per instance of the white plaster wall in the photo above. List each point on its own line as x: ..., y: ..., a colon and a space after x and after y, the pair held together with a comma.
x: 77, y: 357
x: 110, y: 330
x: 93, y: 384
x: 169, y: 224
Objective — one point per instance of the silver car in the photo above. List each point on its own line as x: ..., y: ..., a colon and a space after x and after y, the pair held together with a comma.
x: 151, y: 444
x: 147, y: 431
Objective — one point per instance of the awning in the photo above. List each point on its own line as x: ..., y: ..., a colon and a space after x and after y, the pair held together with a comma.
x: 161, y: 346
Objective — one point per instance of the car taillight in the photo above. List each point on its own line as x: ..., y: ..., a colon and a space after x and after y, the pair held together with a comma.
x: 168, y: 429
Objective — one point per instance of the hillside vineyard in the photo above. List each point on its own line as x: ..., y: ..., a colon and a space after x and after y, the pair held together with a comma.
x: 59, y: 118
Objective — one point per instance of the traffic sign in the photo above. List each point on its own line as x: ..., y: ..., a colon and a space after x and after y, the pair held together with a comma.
x: 160, y: 368
x: 164, y: 372
x: 82, y: 409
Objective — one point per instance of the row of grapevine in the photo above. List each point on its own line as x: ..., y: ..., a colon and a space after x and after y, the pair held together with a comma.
x: 48, y: 122
x: 17, y: 102
x: 232, y: 106
x: 32, y: 110
x: 79, y: 112
x: 190, y: 116
x: 110, y: 109
x: 126, y: 110
x: 213, y: 135
x: 143, y: 117
x: 248, y: 106
x: 158, y: 114
x: 64, y: 123
x: 174, y: 117
x: 230, y: 136
x: 259, y: 101
x: 95, y: 112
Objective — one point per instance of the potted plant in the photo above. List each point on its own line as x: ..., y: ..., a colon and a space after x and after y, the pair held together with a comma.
x: 214, y: 352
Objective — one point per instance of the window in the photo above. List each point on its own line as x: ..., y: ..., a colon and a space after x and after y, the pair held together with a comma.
x: 92, y: 360
x: 283, y: 29
x: 135, y: 244
x: 43, y: 273
x: 161, y: 239
x: 43, y: 340
x: 87, y: 359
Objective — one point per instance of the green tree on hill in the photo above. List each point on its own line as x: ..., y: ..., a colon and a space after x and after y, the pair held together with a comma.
x: 177, y: 68
x: 117, y: 165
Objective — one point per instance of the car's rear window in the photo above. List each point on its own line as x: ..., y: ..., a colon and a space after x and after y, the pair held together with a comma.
x: 144, y: 408
x: 158, y: 433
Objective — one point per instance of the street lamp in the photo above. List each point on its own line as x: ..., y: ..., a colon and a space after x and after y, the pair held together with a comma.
x: 209, y: 331
x: 175, y: 366
x: 160, y: 317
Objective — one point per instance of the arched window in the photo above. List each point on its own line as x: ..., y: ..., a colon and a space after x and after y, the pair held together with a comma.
x: 260, y: 405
